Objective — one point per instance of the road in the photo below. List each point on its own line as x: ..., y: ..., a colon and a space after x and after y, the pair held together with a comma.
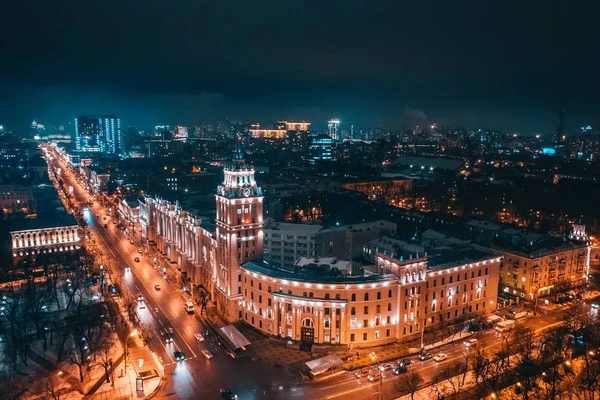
x: 250, y: 378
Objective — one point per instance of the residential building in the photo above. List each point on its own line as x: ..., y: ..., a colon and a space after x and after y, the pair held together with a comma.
x: 98, y: 134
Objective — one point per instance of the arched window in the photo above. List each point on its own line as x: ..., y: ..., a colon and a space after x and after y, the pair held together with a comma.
x: 390, y: 293
x: 414, y: 276
x: 378, y: 295
x: 337, y: 296
x: 353, y: 298
x: 406, y: 278
x: 366, y: 296
x: 289, y: 291
x: 420, y: 275
x: 327, y: 295
x: 311, y: 294
x: 304, y: 294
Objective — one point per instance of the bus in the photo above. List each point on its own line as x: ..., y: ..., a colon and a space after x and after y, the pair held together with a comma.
x: 505, y: 326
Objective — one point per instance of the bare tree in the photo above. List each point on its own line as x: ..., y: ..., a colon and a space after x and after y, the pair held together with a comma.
x: 103, y: 356
x: 455, y: 375
x: 527, y: 367
x: 410, y: 383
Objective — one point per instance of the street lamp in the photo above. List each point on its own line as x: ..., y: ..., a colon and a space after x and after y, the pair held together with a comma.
x: 423, y: 331
x: 132, y: 334
x: 374, y: 357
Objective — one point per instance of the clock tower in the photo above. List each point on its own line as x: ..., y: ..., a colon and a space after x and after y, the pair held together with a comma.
x: 239, y: 232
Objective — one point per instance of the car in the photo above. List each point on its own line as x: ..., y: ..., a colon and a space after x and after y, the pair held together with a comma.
x: 470, y: 342
x: 105, y: 218
x: 137, y: 259
x: 374, y: 376
x: 140, y: 297
x: 131, y: 242
x: 595, y: 306
x: 361, y: 373
x: 400, y: 369
x: 406, y: 361
x: 179, y: 356
x: 440, y: 357
x: 127, y: 269
x: 385, y: 367
x: 157, y: 287
x: 207, y: 354
x: 228, y: 394
x: 425, y: 356
x: 139, y: 251
x: 105, y: 226
x: 199, y: 337
x: 167, y: 335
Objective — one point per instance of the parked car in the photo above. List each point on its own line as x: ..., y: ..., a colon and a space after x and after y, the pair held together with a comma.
x: 440, y: 357
x: 400, y: 369
x: 207, y: 354
x: 137, y: 259
x: 406, y: 361
x: 470, y: 342
x: 595, y: 306
x: 361, y: 373
x: 140, y: 297
x: 199, y: 337
x: 105, y: 226
x: 425, y: 356
x: 156, y: 287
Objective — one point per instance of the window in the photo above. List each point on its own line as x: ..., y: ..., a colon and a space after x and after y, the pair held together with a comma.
x: 337, y: 296
x: 390, y: 293
x: 434, y: 282
x: 269, y: 302
x: 327, y: 295
x: 251, y: 283
x: 389, y: 306
x: 311, y: 294
x: 378, y: 309
x: 443, y: 281
x: 378, y: 295
x: 327, y: 323
x: 366, y: 310
x: 479, y: 273
x: 366, y: 296
x: 259, y: 286
x: 304, y: 294
x: 327, y: 310
x: 260, y: 299
x: 365, y: 336
x: 353, y: 297
x: 450, y: 278
x: 486, y: 271
x: 353, y: 311
x: 387, y: 332
x: 365, y: 323
x: 376, y: 335
x: 352, y: 337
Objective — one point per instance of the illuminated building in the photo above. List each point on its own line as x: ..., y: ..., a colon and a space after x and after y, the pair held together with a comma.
x: 322, y: 302
x: 321, y: 148
x: 181, y: 133
x: 532, y: 271
x: 294, y: 126
x: 259, y: 133
x: 98, y: 134
x: 207, y: 255
x: 16, y: 198
x: 334, y: 125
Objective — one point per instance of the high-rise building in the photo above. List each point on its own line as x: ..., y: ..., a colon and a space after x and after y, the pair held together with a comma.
x: 321, y: 148
x: 98, y: 134
x: 334, y: 126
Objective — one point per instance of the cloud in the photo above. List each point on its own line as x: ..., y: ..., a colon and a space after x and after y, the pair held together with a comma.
x: 414, y: 113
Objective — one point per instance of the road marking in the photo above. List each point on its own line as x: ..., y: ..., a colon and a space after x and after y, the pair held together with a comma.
x: 336, y: 385
x: 333, y: 396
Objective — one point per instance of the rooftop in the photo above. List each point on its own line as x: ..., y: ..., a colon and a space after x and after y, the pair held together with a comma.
x: 542, y: 248
x: 313, y: 275
x: 446, y: 257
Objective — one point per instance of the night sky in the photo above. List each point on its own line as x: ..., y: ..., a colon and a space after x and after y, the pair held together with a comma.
x: 499, y: 64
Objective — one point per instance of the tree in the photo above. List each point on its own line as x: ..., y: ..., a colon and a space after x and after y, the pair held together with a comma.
x: 527, y: 367
x: 410, y: 383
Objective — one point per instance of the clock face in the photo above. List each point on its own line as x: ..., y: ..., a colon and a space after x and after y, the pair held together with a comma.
x: 246, y: 192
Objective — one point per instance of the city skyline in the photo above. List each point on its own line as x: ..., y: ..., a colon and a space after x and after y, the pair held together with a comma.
x: 510, y: 67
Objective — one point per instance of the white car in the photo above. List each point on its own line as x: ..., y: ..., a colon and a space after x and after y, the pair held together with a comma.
x: 595, y: 305
x: 470, y: 342
x: 440, y: 357
x: 207, y: 354
x: 199, y: 337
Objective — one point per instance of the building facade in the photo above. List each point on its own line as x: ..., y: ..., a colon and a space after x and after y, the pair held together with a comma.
x: 529, y: 273
x: 360, y: 311
x: 31, y: 240
x: 321, y: 300
x: 98, y: 134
